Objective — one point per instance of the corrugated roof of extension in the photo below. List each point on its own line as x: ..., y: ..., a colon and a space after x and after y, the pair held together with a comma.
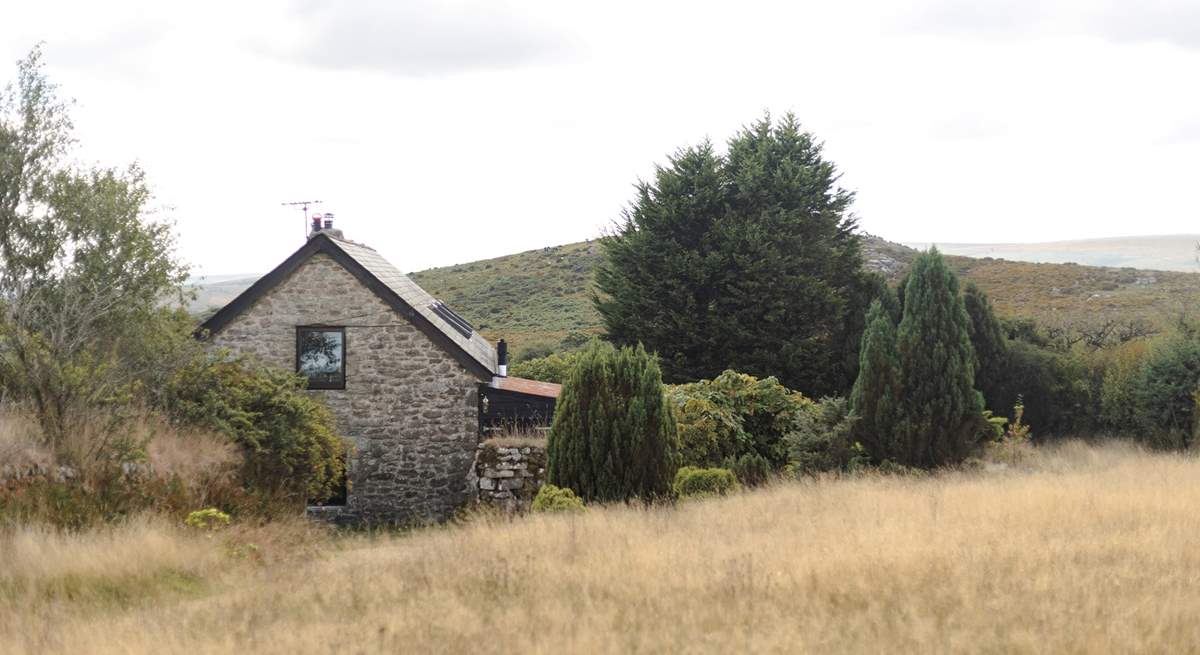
x: 530, y: 387
x: 387, y: 282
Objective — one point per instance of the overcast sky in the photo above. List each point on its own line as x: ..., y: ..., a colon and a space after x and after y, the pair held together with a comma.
x: 444, y: 132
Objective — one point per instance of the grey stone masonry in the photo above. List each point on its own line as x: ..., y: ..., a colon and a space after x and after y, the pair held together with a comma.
x: 508, y: 477
x: 408, y: 407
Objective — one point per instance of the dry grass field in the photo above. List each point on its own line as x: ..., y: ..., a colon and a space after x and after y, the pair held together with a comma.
x: 1082, y: 550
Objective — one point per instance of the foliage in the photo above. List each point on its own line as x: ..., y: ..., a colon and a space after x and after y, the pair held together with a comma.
x: 1119, y: 388
x: 938, y: 420
x: 693, y: 482
x: 756, y: 251
x: 556, y: 499
x: 1164, y: 393
x: 734, y: 415
x: 1013, y: 444
x: 989, y: 343
x: 209, y: 519
x: 1052, y: 384
x: 614, y: 436
x: 541, y: 297
x: 877, y: 391
x: 551, y: 368
x: 84, y: 270
x: 289, y: 438
x: 751, y: 469
x: 821, y: 439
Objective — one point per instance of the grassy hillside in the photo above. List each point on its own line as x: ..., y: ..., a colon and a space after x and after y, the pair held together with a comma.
x: 534, y: 299
x: 540, y: 297
x: 539, y: 300
x: 1083, y: 551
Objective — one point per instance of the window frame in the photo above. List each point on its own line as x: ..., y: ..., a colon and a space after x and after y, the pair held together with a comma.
x: 300, y: 330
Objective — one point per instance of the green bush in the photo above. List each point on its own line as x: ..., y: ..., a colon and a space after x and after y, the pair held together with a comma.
x: 556, y: 499
x: 821, y: 439
x: 289, y: 438
x: 614, y: 435
x: 734, y: 415
x: 551, y: 368
x: 751, y: 469
x: 1118, y: 395
x: 693, y: 482
x: 1165, y: 393
x: 709, y: 429
x: 1052, y: 385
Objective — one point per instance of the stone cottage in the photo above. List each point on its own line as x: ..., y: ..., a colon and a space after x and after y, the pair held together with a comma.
x: 409, y: 381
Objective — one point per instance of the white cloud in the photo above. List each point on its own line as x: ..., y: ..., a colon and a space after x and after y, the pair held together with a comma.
x: 447, y: 133
x: 419, y: 37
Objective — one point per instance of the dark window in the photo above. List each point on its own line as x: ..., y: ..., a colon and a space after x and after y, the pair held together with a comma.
x: 321, y: 356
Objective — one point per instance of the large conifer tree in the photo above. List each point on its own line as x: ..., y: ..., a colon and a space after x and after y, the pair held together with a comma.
x: 614, y: 436
x: 746, y: 261
x: 940, y: 413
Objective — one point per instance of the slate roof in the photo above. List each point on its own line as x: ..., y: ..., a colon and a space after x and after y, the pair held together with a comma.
x: 388, y: 283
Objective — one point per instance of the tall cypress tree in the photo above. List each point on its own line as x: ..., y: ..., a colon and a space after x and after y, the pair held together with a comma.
x: 746, y: 261
x: 876, y: 391
x: 939, y: 416
x: 991, y: 349
x: 614, y: 435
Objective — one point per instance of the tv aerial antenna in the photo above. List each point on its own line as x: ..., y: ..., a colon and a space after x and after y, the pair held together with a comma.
x: 302, y: 205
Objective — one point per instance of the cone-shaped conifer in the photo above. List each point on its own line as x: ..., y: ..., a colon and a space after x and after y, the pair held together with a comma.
x: 876, y: 390
x: 614, y: 436
x: 940, y: 412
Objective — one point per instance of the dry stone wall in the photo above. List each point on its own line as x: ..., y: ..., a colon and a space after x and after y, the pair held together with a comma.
x: 409, y: 407
x: 508, y: 477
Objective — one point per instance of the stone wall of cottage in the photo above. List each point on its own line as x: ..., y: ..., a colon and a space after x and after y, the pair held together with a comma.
x: 509, y: 475
x: 409, y: 407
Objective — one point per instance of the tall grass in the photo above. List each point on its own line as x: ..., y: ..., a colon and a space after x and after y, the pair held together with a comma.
x: 1084, y: 550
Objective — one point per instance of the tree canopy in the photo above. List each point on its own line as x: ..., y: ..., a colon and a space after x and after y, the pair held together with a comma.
x: 83, y: 264
x: 746, y: 260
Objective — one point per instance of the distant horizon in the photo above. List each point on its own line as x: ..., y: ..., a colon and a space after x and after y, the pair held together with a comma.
x: 198, y: 279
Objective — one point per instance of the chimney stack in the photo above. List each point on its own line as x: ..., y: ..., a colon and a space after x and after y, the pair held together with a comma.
x: 324, y: 228
x: 502, y: 359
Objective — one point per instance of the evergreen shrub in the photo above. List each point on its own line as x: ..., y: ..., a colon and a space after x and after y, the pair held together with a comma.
x: 292, y: 450
x: 734, y: 416
x: 751, y: 469
x: 1165, y: 393
x: 556, y: 499
x: 614, y: 435
x: 822, y: 439
x: 693, y: 482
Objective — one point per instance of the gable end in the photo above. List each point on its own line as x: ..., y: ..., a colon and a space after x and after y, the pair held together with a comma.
x: 322, y: 243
